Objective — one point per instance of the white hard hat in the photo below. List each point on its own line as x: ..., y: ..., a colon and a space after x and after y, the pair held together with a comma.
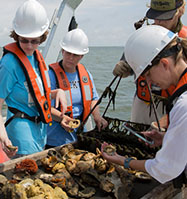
x: 144, y: 45
x: 76, y: 42
x: 30, y: 20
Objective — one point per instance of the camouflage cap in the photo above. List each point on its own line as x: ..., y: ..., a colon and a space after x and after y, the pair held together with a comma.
x: 163, y: 9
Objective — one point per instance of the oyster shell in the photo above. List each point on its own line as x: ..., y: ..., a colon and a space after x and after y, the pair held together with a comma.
x: 65, y: 181
x: 91, y: 177
x: 71, y: 165
x: 27, y: 182
x: 126, y: 178
x: 83, y: 166
x: 21, y: 176
x: 49, y: 162
x: 120, y: 190
x: 12, y: 148
x: 88, y: 156
x: 74, y: 154
x: 100, y: 165
x: 58, y: 167
x: 53, y: 152
x: 74, y: 123
x: 111, y: 169
x: 3, y: 180
x: 106, y: 184
x: 46, y: 177
x: 66, y: 148
x: 88, y: 192
x: 54, y: 180
x: 142, y: 176
x: 110, y: 150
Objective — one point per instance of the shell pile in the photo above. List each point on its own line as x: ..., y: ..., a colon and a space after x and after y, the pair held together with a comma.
x: 69, y: 173
x: 81, y: 173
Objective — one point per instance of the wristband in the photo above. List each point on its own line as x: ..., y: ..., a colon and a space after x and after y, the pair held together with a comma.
x: 127, y: 161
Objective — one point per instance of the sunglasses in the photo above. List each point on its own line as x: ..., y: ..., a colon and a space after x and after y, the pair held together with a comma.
x: 147, y: 69
x: 26, y: 41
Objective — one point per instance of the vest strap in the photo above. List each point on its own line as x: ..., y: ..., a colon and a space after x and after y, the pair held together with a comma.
x: 22, y: 115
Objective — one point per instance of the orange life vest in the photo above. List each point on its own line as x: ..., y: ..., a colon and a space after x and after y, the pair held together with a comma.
x: 143, y: 92
x: 180, y: 88
x: 42, y: 100
x: 183, y: 32
x: 85, y: 84
x: 142, y: 88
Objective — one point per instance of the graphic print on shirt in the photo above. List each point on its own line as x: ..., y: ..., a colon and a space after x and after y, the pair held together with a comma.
x: 74, y: 84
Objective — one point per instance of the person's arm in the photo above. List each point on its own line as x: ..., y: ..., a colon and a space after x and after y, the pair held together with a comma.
x: 118, y: 159
x: 138, y: 165
x: 58, y: 95
x: 122, y: 68
x: 56, y: 114
x: 62, y: 119
x: 60, y: 99
x: 154, y: 135
x: 99, y: 121
x: 3, y: 135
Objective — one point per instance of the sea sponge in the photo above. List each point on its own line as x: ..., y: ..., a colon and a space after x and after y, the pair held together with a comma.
x: 27, y: 165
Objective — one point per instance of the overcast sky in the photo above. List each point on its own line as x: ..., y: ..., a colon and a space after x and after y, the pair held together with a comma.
x: 106, y: 22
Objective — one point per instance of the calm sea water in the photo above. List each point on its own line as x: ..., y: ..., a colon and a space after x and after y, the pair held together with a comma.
x: 100, y: 61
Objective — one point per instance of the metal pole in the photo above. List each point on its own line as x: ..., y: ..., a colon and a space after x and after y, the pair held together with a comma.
x: 104, y: 94
x: 154, y: 107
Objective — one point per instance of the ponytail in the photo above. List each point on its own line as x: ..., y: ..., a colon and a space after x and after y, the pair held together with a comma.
x: 140, y: 23
x: 184, y: 48
x: 181, y: 44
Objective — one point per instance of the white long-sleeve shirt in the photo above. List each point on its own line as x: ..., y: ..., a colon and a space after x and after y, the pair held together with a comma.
x: 171, y: 160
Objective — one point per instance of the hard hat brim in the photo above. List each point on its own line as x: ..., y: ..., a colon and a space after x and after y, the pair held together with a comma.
x: 31, y: 34
x: 73, y: 51
x: 160, y: 15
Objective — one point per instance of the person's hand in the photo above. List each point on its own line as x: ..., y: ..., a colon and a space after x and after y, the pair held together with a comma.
x: 163, y: 124
x: 115, y: 158
x: 7, y: 147
x: 154, y: 135
x: 100, y: 122
x: 65, y: 123
x: 10, y: 150
x: 123, y: 69
x: 61, y: 99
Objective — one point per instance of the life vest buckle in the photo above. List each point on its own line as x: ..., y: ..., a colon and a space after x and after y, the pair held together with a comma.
x: 22, y: 115
x: 46, y: 106
x: 36, y: 119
